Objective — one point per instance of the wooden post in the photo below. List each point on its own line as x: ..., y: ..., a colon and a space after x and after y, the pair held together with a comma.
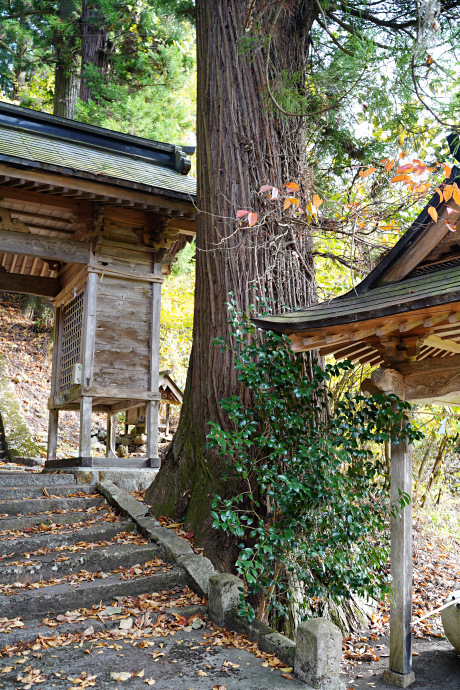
x: 111, y: 434
x: 168, y: 411
x: 53, y: 422
x: 151, y: 429
x: 53, y: 425
x: 87, y: 359
x: 152, y: 407
x: 400, y: 671
x: 86, y: 413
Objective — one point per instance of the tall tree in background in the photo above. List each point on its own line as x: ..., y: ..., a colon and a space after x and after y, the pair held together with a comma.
x: 67, y: 69
x: 257, y: 99
x: 125, y: 66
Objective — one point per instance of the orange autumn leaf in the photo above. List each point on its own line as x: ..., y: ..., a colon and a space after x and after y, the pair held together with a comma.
x: 446, y: 169
x: 292, y: 185
x: 289, y: 201
x: 456, y: 193
x: 448, y: 191
x: 252, y: 219
x: 366, y: 173
x: 400, y: 178
x: 389, y: 165
x: 433, y: 213
x: 317, y: 201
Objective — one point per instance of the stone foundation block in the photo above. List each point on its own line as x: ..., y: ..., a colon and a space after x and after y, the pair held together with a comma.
x: 278, y: 644
x: 223, y: 596
x: 318, y: 653
x: 198, y: 569
x: 398, y: 680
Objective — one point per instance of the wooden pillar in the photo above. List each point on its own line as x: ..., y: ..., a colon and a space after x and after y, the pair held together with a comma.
x: 87, y: 360
x: 400, y: 671
x: 86, y: 414
x: 53, y: 420
x: 53, y: 425
x: 152, y: 407
x: 168, y: 412
x: 111, y: 435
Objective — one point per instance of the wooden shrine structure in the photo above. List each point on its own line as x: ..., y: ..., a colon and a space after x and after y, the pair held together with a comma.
x: 170, y: 394
x: 93, y: 219
x: 404, y: 320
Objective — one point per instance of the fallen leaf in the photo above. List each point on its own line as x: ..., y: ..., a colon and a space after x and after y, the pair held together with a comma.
x: 120, y: 675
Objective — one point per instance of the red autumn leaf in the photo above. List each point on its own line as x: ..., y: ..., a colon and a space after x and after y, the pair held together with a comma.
x: 265, y: 188
x: 407, y: 168
x: 241, y: 213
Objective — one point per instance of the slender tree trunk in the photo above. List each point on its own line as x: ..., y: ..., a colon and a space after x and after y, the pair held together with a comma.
x: 436, y: 469
x: 243, y: 142
x: 66, y: 74
x: 95, y: 46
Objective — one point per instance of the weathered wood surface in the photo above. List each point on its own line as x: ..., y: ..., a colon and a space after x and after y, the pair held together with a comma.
x: 401, y: 561
x: 88, y: 330
x: 44, y: 247
x: 442, y: 343
x: 86, y: 411
x: 53, y: 423
x: 435, y: 380
x: 100, y: 188
x: 122, y: 347
x: 32, y: 285
x: 421, y: 248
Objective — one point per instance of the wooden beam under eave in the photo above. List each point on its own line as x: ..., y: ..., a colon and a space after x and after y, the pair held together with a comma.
x: 58, y: 249
x: 30, y: 285
x: 425, y: 244
x: 442, y: 343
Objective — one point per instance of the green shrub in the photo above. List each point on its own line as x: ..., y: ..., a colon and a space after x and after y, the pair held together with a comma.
x: 311, y: 500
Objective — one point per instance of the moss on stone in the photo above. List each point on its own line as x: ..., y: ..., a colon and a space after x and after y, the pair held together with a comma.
x: 18, y: 438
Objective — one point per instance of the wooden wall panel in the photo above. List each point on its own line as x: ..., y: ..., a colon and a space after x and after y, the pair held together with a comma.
x: 123, y: 315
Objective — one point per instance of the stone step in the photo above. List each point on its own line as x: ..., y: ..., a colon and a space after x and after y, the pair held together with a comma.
x: 36, y: 491
x: 35, y: 479
x: 36, y: 628
x: 103, y: 559
x: 26, y: 521
x: 32, y: 603
x: 102, y: 532
x: 41, y: 505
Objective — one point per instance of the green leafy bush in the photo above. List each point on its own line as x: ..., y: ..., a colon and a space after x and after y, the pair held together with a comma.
x: 311, y: 499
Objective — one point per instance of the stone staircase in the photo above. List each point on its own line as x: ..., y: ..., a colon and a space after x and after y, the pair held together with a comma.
x: 63, y: 548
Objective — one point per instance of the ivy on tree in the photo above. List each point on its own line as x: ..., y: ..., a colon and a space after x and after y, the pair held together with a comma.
x: 311, y: 494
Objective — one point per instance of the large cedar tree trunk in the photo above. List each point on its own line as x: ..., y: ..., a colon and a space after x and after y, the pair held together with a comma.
x: 66, y: 73
x: 243, y: 143
x: 95, y: 45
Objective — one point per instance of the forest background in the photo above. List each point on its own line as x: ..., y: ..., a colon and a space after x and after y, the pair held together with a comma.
x: 381, y: 91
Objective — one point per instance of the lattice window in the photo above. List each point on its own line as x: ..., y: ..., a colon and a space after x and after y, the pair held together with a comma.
x: 71, y: 339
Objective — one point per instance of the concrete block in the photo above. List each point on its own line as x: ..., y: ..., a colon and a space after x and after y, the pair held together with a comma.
x: 223, y: 596
x: 399, y: 680
x: 125, y: 503
x: 318, y: 653
x: 173, y: 545
x: 198, y: 570
x: 278, y: 644
x: 254, y: 630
